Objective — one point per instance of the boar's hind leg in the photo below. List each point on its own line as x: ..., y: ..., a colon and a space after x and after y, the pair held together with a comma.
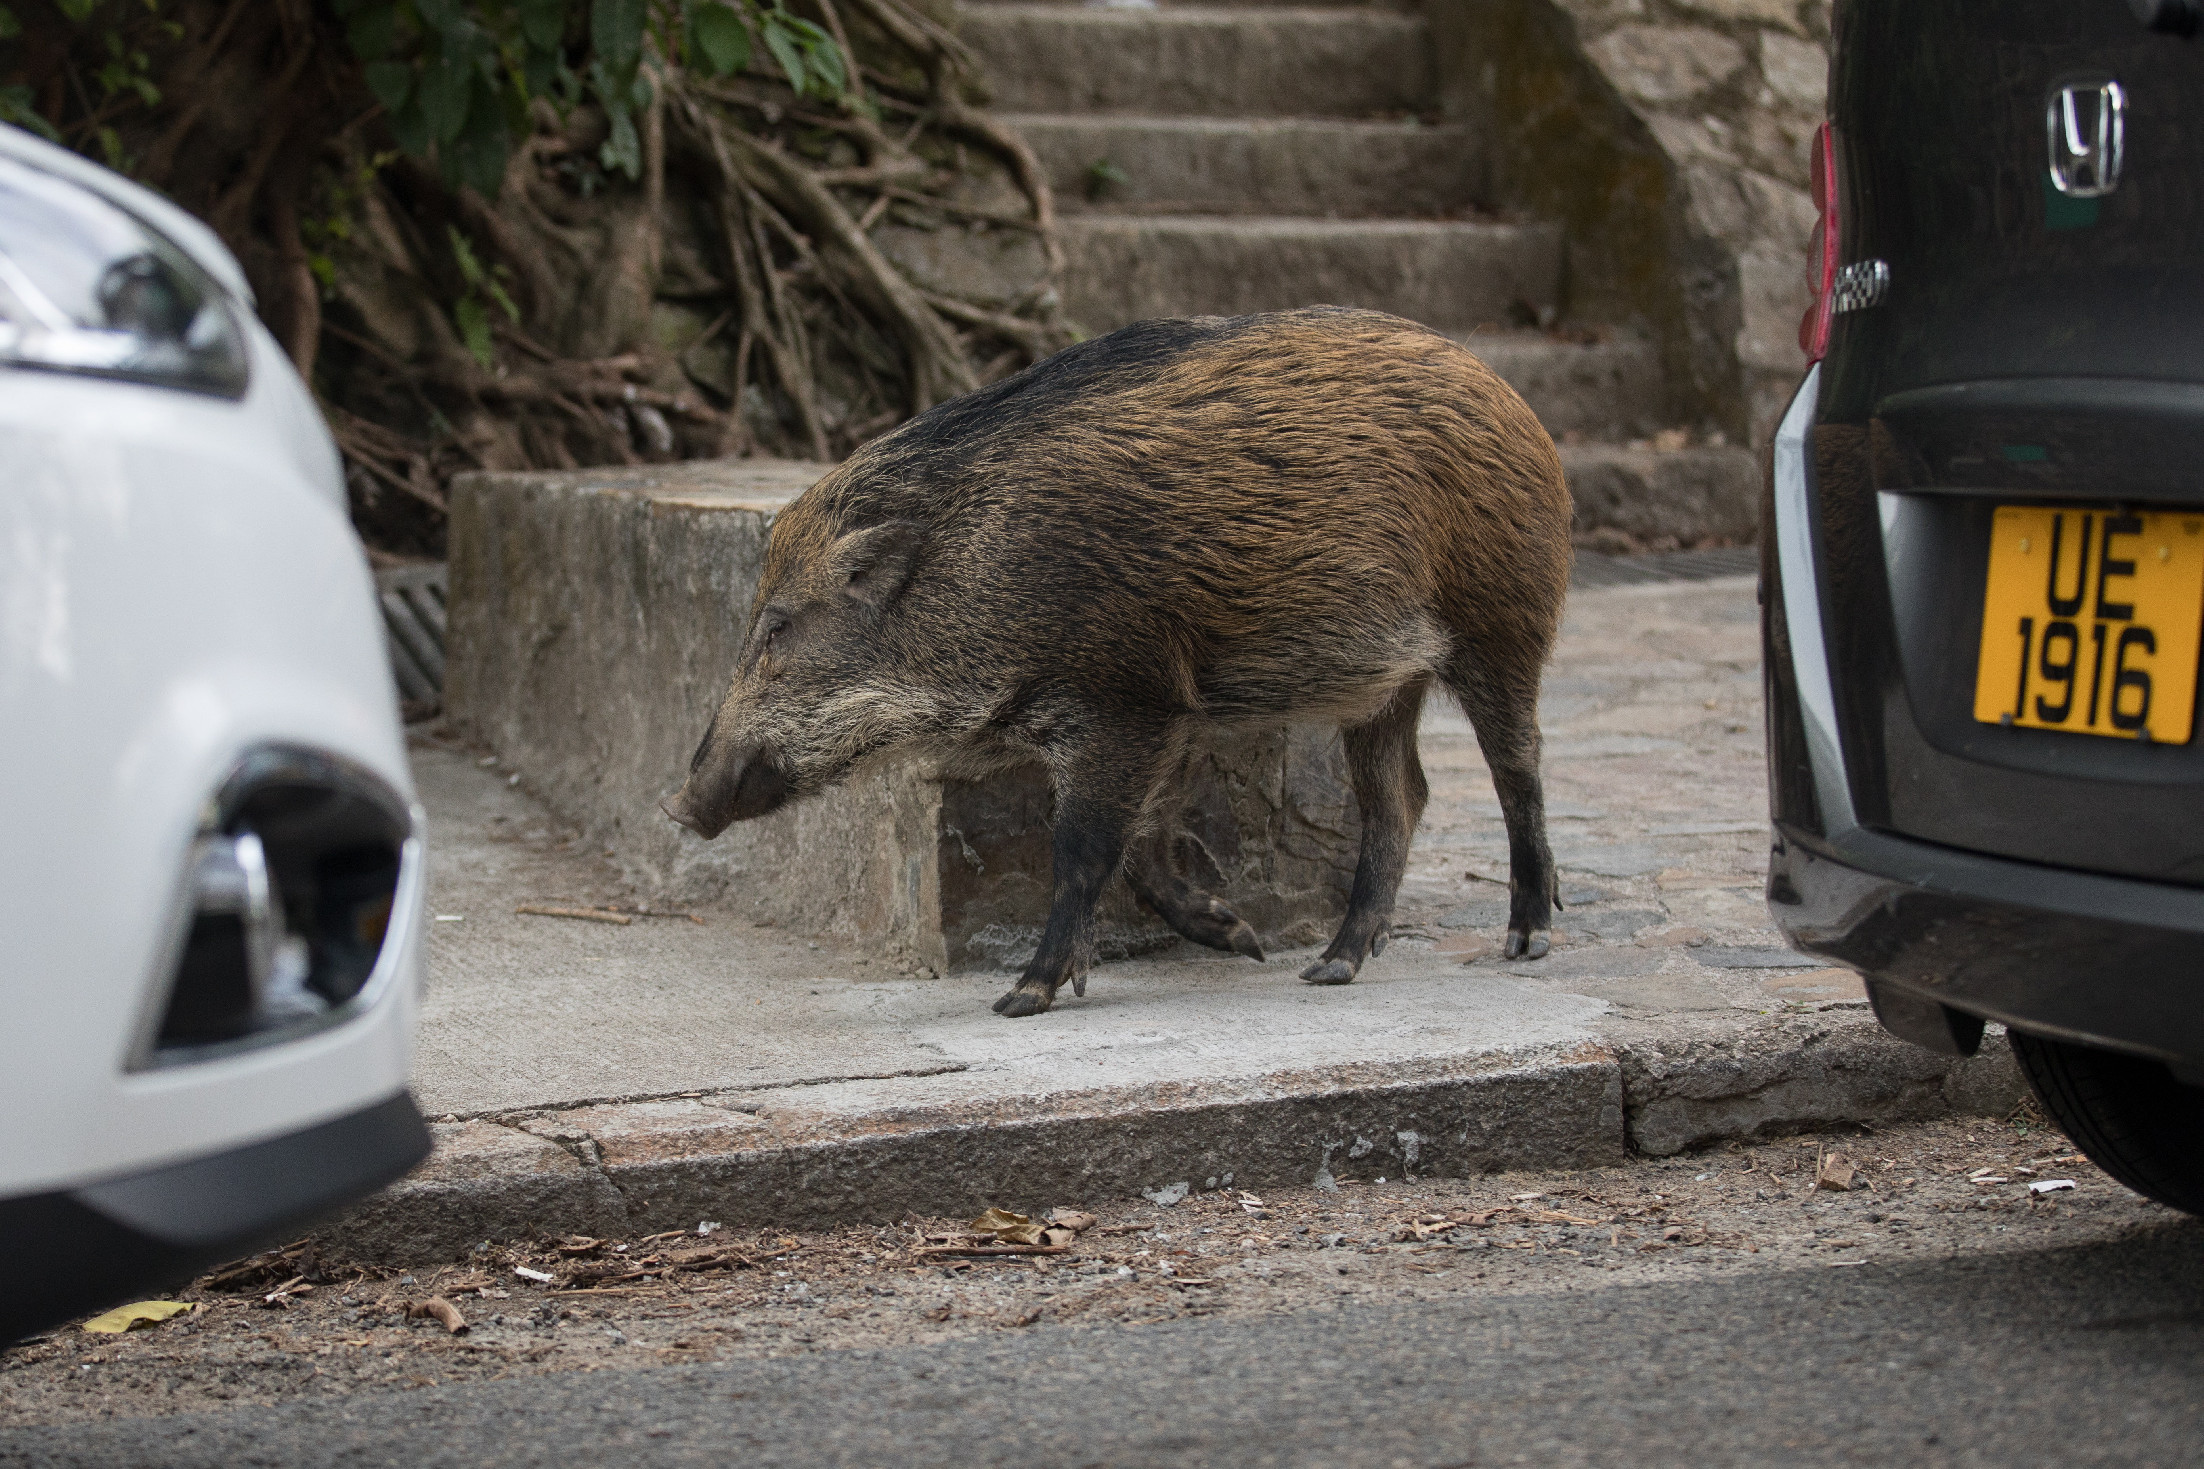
x: 1192, y: 913
x: 1503, y: 709
x: 1389, y: 787
x: 1097, y: 798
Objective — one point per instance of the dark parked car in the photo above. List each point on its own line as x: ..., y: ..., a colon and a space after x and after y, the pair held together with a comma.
x: 1984, y: 555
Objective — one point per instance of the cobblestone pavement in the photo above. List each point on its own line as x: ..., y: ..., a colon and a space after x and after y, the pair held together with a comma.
x: 1656, y: 802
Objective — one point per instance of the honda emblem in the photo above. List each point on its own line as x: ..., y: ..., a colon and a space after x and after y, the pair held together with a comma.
x: 2087, y: 127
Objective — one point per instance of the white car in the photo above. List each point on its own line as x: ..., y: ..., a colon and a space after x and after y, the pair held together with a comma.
x: 211, y: 865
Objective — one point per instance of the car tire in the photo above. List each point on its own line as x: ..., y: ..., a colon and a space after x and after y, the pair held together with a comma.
x: 2132, y: 1117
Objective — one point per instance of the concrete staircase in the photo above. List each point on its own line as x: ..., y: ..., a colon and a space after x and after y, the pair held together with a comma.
x: 1227, y: 158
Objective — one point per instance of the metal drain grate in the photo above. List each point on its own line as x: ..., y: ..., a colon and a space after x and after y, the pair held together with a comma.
x: 1595, y: 570
x: 413, y: 616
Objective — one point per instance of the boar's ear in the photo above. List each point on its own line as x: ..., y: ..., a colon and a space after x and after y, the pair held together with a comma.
x: 874, y: 564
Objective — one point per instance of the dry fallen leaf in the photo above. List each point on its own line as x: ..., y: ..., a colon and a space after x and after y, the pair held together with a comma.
x: 436, y: 1308
x: 1835, y: 1174
x: 134, y: 1315
x: 1072, y: 1220
x: 1009, y: 1228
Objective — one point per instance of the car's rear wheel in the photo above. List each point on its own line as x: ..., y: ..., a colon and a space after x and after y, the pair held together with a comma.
x: 2132, y: 1117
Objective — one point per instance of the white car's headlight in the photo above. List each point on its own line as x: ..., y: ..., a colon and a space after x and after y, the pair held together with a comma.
x: 88, y: 288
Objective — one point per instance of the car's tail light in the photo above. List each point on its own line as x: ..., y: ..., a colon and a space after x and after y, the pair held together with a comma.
x: 289, y: 894
x: 1821, y: 254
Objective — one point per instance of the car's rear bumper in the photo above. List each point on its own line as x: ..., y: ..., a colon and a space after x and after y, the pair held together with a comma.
x: 75, y: 1250
x: 2104, y: 960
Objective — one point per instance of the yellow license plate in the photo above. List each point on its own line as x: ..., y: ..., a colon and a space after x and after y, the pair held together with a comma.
x: 2091, y: 622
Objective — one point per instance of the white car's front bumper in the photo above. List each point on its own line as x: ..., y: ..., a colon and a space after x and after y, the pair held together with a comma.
x: 178, y: 585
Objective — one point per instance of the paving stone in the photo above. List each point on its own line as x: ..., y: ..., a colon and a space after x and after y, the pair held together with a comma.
x: 1620, y: 859
x: 1727, y: 958
x: 1818, y: 987
x: 1612, y: 923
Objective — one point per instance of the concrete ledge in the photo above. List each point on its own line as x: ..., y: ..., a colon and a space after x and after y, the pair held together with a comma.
x: 761, y: 1160
x: 1794, y: 1074
x: 808, y: 1157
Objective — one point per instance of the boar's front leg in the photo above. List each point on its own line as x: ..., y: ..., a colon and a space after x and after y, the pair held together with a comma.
x: 1389, y: 787
x: 1099, y: 791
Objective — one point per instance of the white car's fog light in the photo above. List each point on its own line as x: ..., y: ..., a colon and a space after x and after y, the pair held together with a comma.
x: 87, y: 288
x: 287, y: 906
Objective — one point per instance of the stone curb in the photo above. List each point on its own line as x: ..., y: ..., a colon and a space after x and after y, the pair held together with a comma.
x: 755, y: 1160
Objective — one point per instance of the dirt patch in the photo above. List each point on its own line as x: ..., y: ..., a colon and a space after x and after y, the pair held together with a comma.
x: 292, y: 1324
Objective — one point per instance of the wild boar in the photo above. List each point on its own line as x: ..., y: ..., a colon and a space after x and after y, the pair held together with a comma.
x: 1182, y: 530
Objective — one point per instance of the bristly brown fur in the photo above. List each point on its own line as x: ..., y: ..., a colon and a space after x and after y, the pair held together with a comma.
x: 1180, y: 529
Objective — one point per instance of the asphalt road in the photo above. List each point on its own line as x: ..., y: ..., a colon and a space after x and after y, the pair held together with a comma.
x: 2074, y: 1355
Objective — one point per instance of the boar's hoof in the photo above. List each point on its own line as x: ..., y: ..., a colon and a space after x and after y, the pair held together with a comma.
x: 1023, y: 1001
x: 1329, y: 971
x: 1221, y: 928
x: 1523, y: 945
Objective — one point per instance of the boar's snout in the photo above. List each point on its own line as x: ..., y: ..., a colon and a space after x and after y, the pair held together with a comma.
x: 724, y: 789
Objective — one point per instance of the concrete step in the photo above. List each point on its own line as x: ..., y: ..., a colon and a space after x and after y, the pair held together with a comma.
x: 1208, y: 61
x: 1609, y: 391
x: 1659, y: 499
x: 1312, y: 166
x: 1403, y: 7
x: 1127, y: 268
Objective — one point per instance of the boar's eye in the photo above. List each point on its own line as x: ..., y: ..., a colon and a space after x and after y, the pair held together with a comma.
x: 776, y: 623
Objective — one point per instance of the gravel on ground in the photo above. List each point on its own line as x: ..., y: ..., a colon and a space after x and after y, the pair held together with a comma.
x: 291, y: 1326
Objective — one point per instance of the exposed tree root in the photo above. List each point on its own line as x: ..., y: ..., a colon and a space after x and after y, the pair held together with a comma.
x: 734, y: 298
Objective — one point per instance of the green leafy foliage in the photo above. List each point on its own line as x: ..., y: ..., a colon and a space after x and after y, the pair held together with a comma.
x: 16, y: 102
x: 18, y: 109
x: 807, y: 56
x: 720, y: 37
x: 469, y: 313
x: 1103, y: 176
x: 457, y: 79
